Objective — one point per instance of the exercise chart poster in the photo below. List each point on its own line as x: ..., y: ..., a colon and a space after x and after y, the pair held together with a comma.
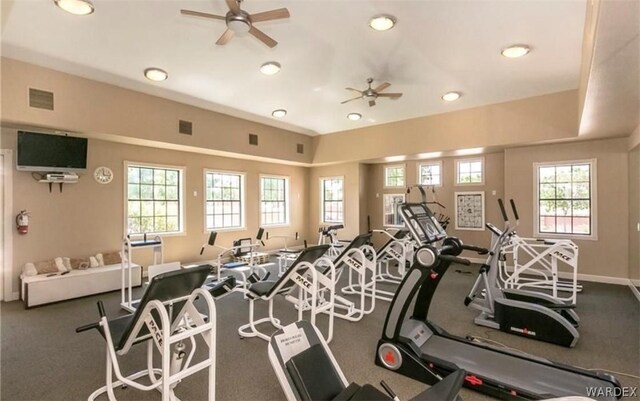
x: 470, y: 210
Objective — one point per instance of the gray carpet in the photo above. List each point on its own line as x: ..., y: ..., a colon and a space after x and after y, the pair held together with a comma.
x: 42, y: 358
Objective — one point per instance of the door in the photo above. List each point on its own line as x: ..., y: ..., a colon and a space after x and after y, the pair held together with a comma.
x: 2, y: 223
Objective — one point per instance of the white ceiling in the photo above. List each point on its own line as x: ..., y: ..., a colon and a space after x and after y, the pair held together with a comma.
x: 437, y: 46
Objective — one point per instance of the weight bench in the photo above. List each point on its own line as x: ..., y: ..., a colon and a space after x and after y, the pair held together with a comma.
x: 167, y: 318
x: 303, y: 275
x: 308, y: 371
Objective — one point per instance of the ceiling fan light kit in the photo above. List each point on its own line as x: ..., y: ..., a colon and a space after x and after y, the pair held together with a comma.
x: 155, y: 74
x: 382, y: 22
x: 241, y: 22
x: 76, y: 7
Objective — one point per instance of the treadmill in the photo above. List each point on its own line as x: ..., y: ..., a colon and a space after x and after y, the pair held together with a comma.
x: 416, y: 347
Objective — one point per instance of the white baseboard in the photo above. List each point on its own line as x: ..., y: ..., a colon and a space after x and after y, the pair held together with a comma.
x: 634, y: 289
x: 635, y: 282
x: 13, y: 297
x: 476, y: 260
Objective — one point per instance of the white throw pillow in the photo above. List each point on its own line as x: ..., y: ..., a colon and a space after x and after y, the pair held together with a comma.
x: 93, y: 262
x: 67, y: 263
x: 100, y: 259
x: 29, y: 269
x: 60, y: 264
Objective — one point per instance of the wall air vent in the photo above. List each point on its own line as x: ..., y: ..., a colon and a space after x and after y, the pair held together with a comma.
x: 253, y: 139
x: 185, y: 127
x: 300, y: 148
x: 40, y: 99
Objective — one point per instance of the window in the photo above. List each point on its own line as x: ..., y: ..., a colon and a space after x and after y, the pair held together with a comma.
x: 565, y: 198
x: 470, y: 171
x: 154, y: 199
x: 430, y: 174
x: 332, y: 201
x: 224, y: 193
x: 391, y: 213
x: 394, y: 176
x: 274, y: 200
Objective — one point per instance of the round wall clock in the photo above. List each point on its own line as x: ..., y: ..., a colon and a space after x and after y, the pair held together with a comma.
x: 103, y: 175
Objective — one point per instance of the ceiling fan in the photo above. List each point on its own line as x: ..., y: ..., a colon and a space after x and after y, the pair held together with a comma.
x: 239, y: 21
x: 372, y: 94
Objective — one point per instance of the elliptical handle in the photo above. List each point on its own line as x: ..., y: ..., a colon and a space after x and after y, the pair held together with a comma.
x: 513, y: 207
x: 502, y: 209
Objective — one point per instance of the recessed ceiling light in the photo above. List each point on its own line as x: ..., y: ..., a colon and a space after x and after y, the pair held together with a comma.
x: 451, y: 96
x: 279, y: 113
x: 382, y: 22
x: 270, y: 68
x: 156, y: 74
x: 75, y: 7
x: 354, y: 116
x: 516, y: 51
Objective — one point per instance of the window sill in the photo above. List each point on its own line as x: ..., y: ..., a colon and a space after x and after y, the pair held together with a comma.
x: 276, y: 225
x: 224, y: 230
x: 469, y: 184
x: 162, y: 235
x: 572, y: 237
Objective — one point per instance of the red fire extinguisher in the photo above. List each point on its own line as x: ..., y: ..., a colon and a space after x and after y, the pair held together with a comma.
x: 22, y: 222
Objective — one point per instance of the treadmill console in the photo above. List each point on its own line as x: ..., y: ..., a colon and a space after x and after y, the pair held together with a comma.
x: 422, y: 223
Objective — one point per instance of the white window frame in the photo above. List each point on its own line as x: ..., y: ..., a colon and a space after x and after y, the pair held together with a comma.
x: 321, y: 182
x: 432, y: 163
x: 469, y: 160
x: 384, y: 215
x: 287, y: 197
x: 243, y: 194
x: 181, y: 197
x: 404, y: 175
x: 593, y: 169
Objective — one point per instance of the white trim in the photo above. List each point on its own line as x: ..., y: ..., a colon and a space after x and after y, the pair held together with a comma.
x: 287, y: 201
x: 181, y: 197
x: 469, y: 160
x: 243, y: 198
x: 634, y: 289
x: 344, y: 195
x: 404, y: 176
x: 7, y: 268
x: 429, y: 163
x: 455, y: 199
x: 384, y: 215
x: 593, y: 165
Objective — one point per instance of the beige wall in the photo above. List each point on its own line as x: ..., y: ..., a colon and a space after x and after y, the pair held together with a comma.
x: 87, y: 217
x: 607, y: 256
x: 351, y: 174
x: 494, y: 181
x: 110, y: 112
x: 634, y: 215
x: 540, y: 118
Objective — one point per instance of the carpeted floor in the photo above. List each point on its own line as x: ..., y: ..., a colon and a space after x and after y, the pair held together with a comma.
x: 42, y: 358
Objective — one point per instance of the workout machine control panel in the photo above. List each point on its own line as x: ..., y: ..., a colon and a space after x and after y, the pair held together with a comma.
x: 422, y: 223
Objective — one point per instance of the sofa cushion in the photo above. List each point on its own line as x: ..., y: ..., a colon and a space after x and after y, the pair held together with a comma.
x: 46, y: 267
x: 29, y: 269
x: 111, y: 258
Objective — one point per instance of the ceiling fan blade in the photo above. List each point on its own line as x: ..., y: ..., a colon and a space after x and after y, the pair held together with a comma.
x: 263, y: 37
x: 390, y: 95
x: 355, y: 90
x: 233, y: 6
x: 226, y: 37
x: 270, y: 15
x: 372, y: 103
x: 382, y: 87
x: 355, y: 98
x: 199, y: 14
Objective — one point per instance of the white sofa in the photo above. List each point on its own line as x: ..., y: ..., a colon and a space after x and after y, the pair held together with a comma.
x: 40, y: 289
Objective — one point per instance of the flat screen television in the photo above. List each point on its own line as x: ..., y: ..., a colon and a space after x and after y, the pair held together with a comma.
x: 51, y: 153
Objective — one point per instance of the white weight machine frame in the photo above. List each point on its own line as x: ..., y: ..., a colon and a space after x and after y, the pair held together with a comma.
x: 310, y: 284
x: 128, y: 245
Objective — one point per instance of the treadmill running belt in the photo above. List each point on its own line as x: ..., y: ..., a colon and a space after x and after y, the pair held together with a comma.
x: 524, y: 374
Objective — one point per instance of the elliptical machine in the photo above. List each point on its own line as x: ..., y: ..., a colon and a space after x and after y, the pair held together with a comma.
x: 524, y: 313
